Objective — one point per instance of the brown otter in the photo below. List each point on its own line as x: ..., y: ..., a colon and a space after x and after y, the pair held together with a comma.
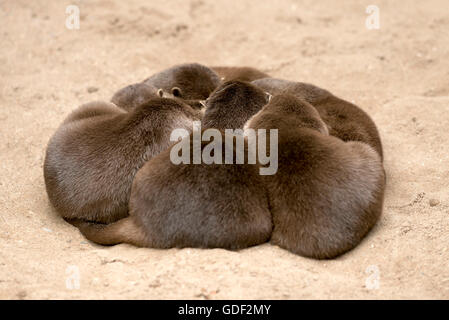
x: 232, y: 104
x: 247, y: 74
x: 191, y: 205
x: 92, y: 158
x: 135, y: 94
x: 191, y: 81
x: 343, y: 119
x: 327, y: 194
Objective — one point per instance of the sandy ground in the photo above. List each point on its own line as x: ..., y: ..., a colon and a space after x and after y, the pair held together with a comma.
x: 399, y: 74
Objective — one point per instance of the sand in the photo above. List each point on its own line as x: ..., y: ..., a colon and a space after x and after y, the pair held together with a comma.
x: 399, y: 74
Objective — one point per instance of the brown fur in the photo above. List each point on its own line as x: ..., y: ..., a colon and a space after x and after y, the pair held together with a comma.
x: 134, y: 95
x: 232, y: 104
x: 92, y: 158
x: 343, y: 119
x: 327, y: 194
x: 123, y: 230
x: 239, y: 73
x: 186, y: 81
x: 191, y: 205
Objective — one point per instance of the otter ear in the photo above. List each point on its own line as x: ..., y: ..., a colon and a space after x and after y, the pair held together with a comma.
x: 269, y: 96
x: 160, y: 93
x: 203, y: 103
x: 176, y: 91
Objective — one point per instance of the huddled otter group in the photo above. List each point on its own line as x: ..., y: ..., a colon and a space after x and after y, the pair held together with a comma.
x: 108, y: 170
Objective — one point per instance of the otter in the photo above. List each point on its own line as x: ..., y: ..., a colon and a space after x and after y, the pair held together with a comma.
x: 247, y: 74
x: 343, y: 119
x: 136, y: 94
x: 327, y: 193
x: 232, y: 104
x: 92, y: 158
x: 191, y: 81
x: 191, y: 205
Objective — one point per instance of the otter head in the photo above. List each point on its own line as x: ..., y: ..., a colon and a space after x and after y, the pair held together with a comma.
x: 233, y: 103
x: 134, y: 95
x: 288, y: 111
x: 194, y: 82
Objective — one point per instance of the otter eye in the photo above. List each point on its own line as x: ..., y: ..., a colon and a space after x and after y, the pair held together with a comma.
x: 176, y: 91
x: 160, y: 93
